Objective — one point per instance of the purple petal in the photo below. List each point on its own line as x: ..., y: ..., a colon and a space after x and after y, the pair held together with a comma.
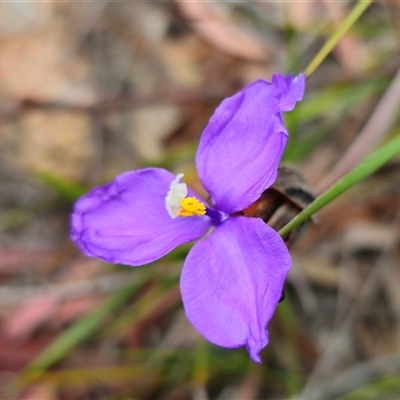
x: 242, y: 145
x: 232, y: 281
x: 289, y: 90
x: 127, y: 221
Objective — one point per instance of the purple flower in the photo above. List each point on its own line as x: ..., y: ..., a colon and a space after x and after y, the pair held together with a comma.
x: 232, y: 279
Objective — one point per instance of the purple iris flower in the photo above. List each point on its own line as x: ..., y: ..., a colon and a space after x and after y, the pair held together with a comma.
x: 232, y: 279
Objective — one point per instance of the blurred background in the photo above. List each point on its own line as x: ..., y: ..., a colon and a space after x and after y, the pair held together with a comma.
x: 91, y: 89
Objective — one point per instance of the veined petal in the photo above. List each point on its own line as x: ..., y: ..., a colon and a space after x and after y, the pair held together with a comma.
x: 127, y: 220
x: 242, y: 145
x: 232, y: 281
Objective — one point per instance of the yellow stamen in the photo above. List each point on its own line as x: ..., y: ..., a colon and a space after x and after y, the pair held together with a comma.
x: 191, y: 206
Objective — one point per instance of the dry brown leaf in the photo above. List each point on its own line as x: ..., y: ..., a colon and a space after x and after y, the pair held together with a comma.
x: 72, y: 309
x: 36, y: 65
x: 14, y: 260
x: 221, y: 32
x: 347, y: 50
x: 42, y: 391
x: 15, y: 354
x: 366, y: 235
x: 62, y: 143
x: 319, y: 270
x: 29, y: 316
x: 302, y: 13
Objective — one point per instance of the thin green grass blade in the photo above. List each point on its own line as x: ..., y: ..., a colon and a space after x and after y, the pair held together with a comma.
x: 363, y: 170
x: 337, y: 98
x: 12, y: 217
x: 355, y: 13
x: 134, y: 374
x: 286, y: 315
x: 325, y: 106
x: 142, y: 307
x: 381, y: 389
x: 68, y: 190
x: 80, y: 331
x: 297, y: 151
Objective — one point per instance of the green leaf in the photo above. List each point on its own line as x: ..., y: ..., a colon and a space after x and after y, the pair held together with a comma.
x: 66, y: 189
x: 363, y: 170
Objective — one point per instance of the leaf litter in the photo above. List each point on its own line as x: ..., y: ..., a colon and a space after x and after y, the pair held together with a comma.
x: 78, y: 84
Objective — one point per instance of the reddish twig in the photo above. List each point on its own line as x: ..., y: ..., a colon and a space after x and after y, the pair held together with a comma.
x: 116, y: 103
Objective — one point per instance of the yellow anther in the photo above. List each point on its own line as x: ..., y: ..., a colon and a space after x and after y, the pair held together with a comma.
x: 191, y: 206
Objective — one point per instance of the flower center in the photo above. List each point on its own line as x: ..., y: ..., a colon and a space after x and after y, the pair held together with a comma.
x: 179, y: 205
x: 191, y: 206
x: 177, y: 202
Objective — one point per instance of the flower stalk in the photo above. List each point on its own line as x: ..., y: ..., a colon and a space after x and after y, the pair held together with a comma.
x: 350, y: 20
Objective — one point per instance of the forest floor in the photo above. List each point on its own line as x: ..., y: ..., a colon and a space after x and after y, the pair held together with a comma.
x: 92, y: 89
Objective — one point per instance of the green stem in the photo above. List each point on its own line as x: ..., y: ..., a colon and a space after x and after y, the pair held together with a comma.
x: 364, y: 169
x: 355, y: 13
